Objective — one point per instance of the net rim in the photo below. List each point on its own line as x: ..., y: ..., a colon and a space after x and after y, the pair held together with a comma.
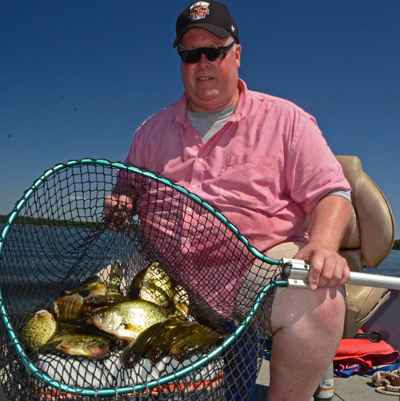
x: 165, y: 379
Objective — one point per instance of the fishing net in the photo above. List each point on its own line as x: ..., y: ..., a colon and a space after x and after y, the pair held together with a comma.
x: 59, y: 235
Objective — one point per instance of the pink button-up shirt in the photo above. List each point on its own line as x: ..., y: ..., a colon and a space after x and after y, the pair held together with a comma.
x: 264, y: 170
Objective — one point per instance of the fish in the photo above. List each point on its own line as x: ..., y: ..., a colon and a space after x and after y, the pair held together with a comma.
x: 127, y: 319
x: 38, y: 330
x: 70, y: 309
x: 180, y: 303
x: 91, y: 346
x: 116, y: 344
x: 179, y: 310
x: 116, y: 277
x: 207, y: 318
x: 180, y: 295
x: 91, y: 286
x: 193, y: 343
x: 138, y: 348
x: 160, y: 346
x: 152, y: 284
x: 96, y: 301
x: 145, y: 340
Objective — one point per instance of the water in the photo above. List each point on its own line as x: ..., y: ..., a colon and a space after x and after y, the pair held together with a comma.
x: 389, y: 267
x: 38, y: 263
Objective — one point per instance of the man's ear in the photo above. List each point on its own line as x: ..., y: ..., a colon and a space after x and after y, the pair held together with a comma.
x: 238, y: 53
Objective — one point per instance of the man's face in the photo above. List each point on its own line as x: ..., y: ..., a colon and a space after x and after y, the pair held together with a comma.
x: 211, y: 85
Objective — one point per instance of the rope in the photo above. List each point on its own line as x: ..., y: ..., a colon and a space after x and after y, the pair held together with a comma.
x: 388, y: 383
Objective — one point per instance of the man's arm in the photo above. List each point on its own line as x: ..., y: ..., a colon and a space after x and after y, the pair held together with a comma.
x: 329, y: 220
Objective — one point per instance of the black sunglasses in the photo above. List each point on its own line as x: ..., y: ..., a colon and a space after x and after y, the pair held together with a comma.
x: 212, y: 53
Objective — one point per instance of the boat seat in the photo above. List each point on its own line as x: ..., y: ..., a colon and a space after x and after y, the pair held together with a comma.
x: 370, y: 233
x: 366, y: 244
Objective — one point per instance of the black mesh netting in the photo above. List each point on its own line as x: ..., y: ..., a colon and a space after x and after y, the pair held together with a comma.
x: 61, y: 235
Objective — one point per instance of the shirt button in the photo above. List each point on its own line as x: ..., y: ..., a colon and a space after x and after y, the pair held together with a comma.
x: 194, y: 186
x: 200, y: 159
x: 196, y: 136
x: 189, y: 209
x: 187, y: 239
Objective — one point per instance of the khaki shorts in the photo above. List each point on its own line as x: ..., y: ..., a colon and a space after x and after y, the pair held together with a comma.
x: 261, y: 274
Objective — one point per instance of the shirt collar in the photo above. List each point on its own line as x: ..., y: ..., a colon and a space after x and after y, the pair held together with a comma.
x: 240, y: 111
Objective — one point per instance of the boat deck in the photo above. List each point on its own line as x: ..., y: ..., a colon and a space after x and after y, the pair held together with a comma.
x: 354, y: 388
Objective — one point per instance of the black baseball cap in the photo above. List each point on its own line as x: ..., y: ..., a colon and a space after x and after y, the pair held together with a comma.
x: 212, y: 16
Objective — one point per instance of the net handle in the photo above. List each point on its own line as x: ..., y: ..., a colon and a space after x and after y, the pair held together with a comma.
x: 296, y: 273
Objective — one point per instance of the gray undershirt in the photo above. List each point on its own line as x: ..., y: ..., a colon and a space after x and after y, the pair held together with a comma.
x: 207, y: 124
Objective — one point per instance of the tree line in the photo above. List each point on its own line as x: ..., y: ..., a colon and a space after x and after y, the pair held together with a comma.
x: 81, y: 224
x: 34, y: 221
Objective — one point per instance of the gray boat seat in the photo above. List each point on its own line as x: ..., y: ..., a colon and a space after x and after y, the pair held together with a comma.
x: 366, y: 244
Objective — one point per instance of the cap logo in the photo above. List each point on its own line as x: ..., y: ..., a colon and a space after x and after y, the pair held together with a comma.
x: 199, y: 10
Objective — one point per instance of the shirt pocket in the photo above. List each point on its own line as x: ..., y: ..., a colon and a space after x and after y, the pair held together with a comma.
x: 248, y: 180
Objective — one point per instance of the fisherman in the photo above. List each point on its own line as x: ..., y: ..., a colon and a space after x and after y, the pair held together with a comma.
x: 263, y: 163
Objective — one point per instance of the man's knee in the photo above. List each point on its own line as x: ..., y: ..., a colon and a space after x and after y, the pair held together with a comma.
x: 331, y: 312
x: 321, y: 309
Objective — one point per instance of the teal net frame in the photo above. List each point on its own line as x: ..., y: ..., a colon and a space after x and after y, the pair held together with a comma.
x: 110, y: 392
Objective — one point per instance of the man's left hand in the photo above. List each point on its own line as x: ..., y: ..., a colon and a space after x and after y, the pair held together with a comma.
x: 329, y: 220
x: 327, y: 267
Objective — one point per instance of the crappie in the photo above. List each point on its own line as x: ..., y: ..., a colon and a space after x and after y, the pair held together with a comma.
x: 180, y: 295
x: 38, y: 330
x: 70, y: 308
x: 116, y: 344
x: 180, y: 303
x: 180, y: 311
x: 116, y: 277
x: 96, y: 301
x: 127, y: 319
x: 91, y: 286
x: 152, y: 284
x: 91, y: 346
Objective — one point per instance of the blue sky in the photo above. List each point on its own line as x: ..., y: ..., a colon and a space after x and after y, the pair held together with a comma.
x: 78, y: 77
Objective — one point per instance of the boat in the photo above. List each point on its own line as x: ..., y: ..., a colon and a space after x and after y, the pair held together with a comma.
x: 366, y: 244
x: 355, y: 387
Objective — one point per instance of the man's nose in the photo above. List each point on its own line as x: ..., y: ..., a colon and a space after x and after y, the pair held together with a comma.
x: 204, y: 60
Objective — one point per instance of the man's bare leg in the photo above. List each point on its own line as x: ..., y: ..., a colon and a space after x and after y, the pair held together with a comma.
x: 308, y: 327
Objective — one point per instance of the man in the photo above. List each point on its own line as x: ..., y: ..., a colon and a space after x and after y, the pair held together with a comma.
x: 264, y: 164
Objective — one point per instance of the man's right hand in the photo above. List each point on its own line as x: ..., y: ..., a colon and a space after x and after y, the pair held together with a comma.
x: 118, y: 209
